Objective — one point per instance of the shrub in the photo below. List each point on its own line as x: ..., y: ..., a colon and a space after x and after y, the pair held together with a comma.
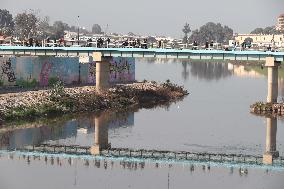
x: 52, y: 81
x: 27, y: 84
x: 57, y: 91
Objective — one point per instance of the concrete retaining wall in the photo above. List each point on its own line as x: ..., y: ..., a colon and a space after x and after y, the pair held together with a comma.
x: 34, y: 71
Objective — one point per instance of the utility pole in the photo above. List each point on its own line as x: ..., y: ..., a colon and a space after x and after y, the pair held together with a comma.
x: 78, y: 31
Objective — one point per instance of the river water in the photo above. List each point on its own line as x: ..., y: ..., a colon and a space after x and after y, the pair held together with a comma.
x: 214, y: 117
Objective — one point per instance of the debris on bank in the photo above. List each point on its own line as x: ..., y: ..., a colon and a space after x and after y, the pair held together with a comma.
x: 61, y: 100
x: 264, y: 108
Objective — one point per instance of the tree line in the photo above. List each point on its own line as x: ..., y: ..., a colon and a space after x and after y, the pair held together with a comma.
x: 208, y: 32
x: 218, y: 33
x: 269, y: 30
x: 28, y: 24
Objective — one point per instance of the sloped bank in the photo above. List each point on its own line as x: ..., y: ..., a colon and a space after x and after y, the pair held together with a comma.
x: 60, y: 100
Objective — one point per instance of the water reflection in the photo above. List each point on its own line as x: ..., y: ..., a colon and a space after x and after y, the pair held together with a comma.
x: 246, y: 71
x: 99, y: 127
x: 185, y: 72
x: 101, y: 133
x: 76, y: 130
x: 270, y: 149
x: 95, y: 129
x: 210, y: 70
x: 219, y: 70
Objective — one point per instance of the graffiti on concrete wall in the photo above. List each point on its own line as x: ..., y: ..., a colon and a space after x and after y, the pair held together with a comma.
x: 122, y: 70
x: 44, y: 73
x: 7, y: 71
x: 65, y: 69
x: 40, y: 71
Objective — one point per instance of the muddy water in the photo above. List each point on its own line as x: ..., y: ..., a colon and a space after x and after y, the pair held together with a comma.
x: 213, y: 118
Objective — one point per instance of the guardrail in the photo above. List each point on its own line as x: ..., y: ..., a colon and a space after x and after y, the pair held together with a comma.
x: 137, y: 53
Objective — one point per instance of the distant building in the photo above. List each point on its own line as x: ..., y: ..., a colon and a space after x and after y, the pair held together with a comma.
x: 70, y: 35
x: 261, y: 39
x: 280, y: 22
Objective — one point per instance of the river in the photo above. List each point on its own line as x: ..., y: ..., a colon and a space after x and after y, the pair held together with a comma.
x: 214, y: 117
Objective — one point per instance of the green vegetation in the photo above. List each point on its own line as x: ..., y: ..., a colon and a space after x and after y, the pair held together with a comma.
x: 52, y: 81
x: 26, y: 83
x: 1, y: 83
x: 6, y: 22
x: 48, y: 120
x: 267, y: 30
x: 211, y: 31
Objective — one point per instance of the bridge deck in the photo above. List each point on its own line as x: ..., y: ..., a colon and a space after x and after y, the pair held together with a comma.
x: 140, y: 53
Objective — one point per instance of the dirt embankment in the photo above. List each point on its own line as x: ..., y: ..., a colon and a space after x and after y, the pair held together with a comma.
x: 60, y: 100
x: 266, y: 109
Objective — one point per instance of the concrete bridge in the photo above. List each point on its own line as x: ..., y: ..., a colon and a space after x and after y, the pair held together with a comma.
x: 140, y: 53
x: 102, y: 56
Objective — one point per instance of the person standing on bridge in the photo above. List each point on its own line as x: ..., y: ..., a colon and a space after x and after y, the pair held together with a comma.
x: 159, y: 43
x: 195, y: 45
x: 138, y: 43
x: 31, y: 41
x: 108, y: 41
x: 211, y: 44
x: 206, y: 45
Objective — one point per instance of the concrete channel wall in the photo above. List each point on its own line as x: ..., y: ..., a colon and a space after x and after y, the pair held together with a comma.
x: 32, y: 71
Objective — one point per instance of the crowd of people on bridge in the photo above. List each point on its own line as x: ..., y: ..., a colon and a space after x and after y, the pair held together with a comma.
x: 99, y: 43
x: 129, y: 43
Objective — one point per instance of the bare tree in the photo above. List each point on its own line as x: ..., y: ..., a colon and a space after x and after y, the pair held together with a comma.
x: 26, y: 24
x: 96, y: 29
x: 44, y: 29
x: 6, y: 22
x: 186, y: 30
x: 58, y: 29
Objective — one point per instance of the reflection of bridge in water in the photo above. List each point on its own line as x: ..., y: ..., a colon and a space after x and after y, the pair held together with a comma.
x: 102, y: 148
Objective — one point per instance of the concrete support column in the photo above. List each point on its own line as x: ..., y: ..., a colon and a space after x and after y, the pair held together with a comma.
x: 101, y: 133
x: 272, y: 92
x: 102, y: 71
x: 270, y: 149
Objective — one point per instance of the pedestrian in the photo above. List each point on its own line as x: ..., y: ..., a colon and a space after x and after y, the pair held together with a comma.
x: 211, y: 44
x: 159, y: 43
x: 138, y: 43
x: 195, y: 45
x: 108, y: 41
x: 30, y: 42
x: 206, y: 45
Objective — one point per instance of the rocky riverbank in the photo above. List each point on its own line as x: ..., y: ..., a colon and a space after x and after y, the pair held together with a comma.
x: 263, y: 108
x: 60, y: 100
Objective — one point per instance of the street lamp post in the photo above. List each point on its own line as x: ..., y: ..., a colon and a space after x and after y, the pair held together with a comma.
x: 78, y: 30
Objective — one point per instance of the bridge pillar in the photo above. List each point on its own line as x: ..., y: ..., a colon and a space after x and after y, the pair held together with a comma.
x: 101, y: 133
x: 102, y: 71
x: 270, y: 149
x: 272, y: 92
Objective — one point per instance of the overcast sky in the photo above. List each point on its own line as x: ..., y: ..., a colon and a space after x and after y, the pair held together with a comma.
x: 162, y: 17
